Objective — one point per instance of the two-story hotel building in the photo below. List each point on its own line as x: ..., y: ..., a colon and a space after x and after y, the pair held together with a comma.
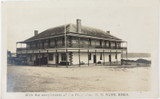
x: 72, y: 44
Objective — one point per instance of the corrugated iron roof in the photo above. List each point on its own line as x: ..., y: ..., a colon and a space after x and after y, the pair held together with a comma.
x: 72, y: 28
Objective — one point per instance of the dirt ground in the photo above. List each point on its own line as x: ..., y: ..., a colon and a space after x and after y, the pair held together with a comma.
x: 77, y: 79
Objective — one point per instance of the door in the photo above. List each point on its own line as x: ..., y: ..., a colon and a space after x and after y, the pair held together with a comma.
x: 57, y: 58
x: 44, y: 60
x: 36, y: 61
x: 110, y: 58
x: 94, y: 58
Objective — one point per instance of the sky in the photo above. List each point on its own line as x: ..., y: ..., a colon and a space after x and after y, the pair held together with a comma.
x: 134, y: 21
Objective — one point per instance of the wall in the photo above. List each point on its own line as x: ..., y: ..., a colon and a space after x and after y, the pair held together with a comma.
x: 52, y: 61
x: 75, y: 58
x: 54, y: 58
x: 84, y: 57
x: 33, y: 59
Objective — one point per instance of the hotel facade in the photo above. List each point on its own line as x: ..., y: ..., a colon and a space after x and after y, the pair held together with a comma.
x: 72, y: 44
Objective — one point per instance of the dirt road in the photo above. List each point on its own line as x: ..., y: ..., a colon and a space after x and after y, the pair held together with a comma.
x: 79, y: 79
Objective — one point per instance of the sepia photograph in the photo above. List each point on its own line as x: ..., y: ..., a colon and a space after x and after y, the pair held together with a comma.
x: 84, y: 46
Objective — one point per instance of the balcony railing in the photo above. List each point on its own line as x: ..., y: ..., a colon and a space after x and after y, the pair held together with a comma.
x: 27, y: 50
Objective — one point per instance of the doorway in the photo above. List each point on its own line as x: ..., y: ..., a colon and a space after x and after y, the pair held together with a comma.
x: 110, y: 58
x: 94, y: 59
x: 57, y: 58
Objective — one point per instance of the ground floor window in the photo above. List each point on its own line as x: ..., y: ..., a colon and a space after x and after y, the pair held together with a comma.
x: 63, y: 57
x: 30, y: 57
x: 50, y: 56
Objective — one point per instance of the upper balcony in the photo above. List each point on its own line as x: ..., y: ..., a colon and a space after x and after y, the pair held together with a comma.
x: 46, y: 49
x: 73, y: 43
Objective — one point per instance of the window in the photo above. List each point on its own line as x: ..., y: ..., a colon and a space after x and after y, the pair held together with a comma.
x: 50, y: 56
x: 63, y: 43
x: 109, y: 44
x: 42, y: 44
x: 49, y: 43
x: 118, y: 44
x: 36, y: 56
x: 30, y: 46
x: 39, y: 44
x: 63, y: 57
x: 105, y: 43
x: 56, y: 42
x: 89, y: 56
x: 115, y: 44
x: 31, y: 58
x: 116, y: 56
x: 90, y: 43
x: 100, y: 56
x: 36, y: 45
x: 52, y: 43
x: 100, y: 43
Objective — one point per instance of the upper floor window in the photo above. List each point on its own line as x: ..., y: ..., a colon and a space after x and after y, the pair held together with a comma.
x: 49, y: 43
x: 56, y: 42
x: 115, y: 44
x: 63, y: 41
x: 100, y: 42
x: 43, y: 45
x: 39, y: 44
x: 36, y: 45
x: 28, y: 45
x: 118, y: 44
x: 90, y: 42
x: 116, y: 56
x: 109, y: 43
x: 105, y: 43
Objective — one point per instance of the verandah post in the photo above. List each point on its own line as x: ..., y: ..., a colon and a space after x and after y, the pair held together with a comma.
x: 16, y: 50
x: 88, y: 57
x: 122, y: 57
x: 95, y: 57
x: 103, y: 58
x: 116, y: 55
x: 79, y: 57
x: 88, y: 51
x: 39, y: 59
x: 66, y: 59
x: 79, y: 50
x: 47, y: 58
x: 126, y: 53
x: 56, y: 57
x: 110, y: 61
x: 21, y: 49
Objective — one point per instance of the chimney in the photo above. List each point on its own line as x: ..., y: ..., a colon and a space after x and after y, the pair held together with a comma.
x: 35, y: 32
x: 79, y: 25
x: 108, y: 32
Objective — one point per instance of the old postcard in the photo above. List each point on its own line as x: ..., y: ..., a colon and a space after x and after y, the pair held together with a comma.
x: 80, y: 49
